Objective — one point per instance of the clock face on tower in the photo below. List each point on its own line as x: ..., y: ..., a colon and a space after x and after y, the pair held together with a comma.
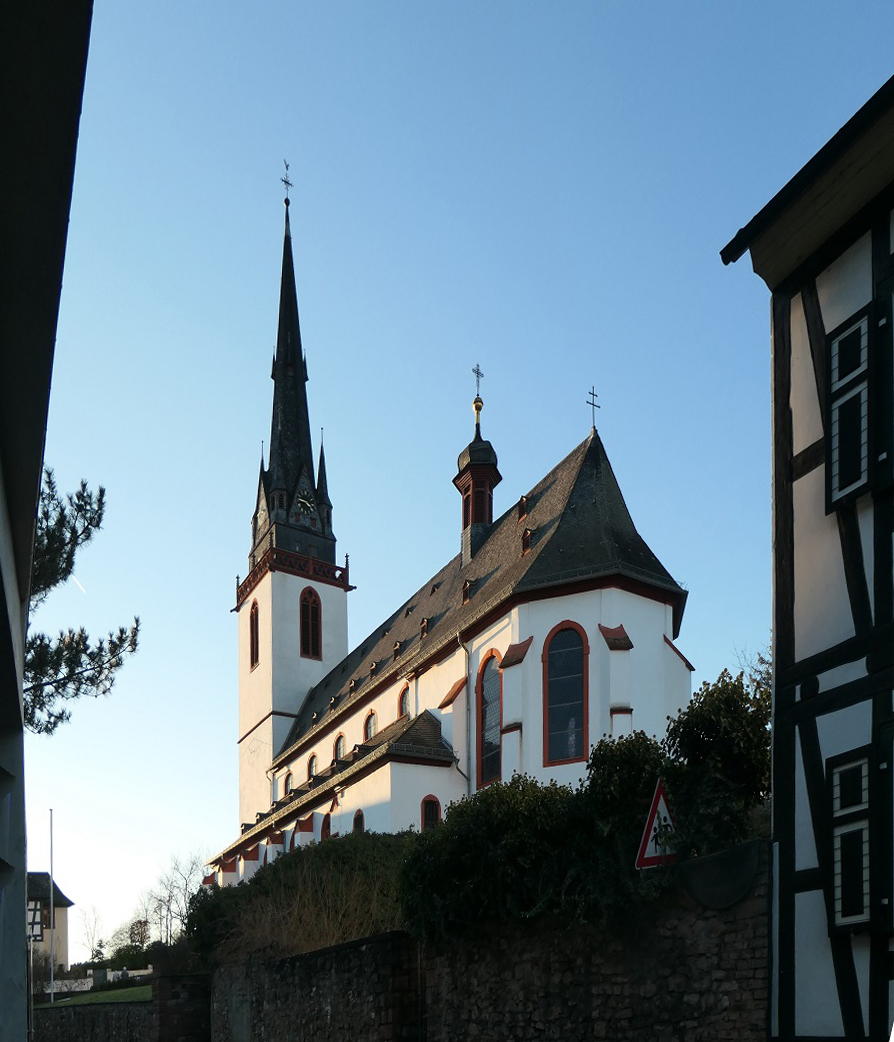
x: 303, y: 502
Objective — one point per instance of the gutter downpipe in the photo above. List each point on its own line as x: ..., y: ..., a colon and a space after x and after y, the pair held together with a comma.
x: 468, y: 716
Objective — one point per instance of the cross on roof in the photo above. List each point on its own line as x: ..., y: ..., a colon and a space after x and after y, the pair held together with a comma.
x: 594, y: 405
x: 476, y: 372
x: 285, y: 180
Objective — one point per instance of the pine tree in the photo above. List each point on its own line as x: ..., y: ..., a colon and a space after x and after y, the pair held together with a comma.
x: 60, y: 669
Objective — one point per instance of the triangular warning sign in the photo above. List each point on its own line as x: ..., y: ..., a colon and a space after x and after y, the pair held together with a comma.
x: 653, y: 849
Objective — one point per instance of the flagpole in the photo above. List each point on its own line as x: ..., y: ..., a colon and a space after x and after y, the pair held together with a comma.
x: 52, y: 919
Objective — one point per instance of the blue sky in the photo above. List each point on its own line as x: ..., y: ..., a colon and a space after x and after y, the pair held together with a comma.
x: 539, y: 188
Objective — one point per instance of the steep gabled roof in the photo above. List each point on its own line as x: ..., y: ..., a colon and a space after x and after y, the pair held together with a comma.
x: 39, y: 890
x: 580, y: 533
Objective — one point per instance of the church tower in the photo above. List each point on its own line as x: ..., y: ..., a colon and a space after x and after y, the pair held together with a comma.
x: 292, y: 607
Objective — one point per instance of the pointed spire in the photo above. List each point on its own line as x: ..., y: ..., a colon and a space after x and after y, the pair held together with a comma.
x: 290, y: 443
x: 322, y: 486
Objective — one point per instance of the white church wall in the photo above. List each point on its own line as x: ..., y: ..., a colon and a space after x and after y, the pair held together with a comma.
x: 293, y: 676
x: 412, y: 782
x: 255, y: 754
x: 255, y: 684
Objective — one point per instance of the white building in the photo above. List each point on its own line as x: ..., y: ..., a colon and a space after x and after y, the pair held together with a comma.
x: 553, y: 626
x: 48, y: 920
x: 825, y: 247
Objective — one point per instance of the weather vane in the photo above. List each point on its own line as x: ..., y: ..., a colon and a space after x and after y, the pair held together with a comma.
x: 476, y: 372
x: 594, y: 405
x: 285, y: 180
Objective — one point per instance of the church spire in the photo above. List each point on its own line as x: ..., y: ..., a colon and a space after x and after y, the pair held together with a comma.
x: 290, y: 444
x: 290, y: 513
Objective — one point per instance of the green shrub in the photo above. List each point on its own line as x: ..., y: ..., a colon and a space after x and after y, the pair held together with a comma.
x: 498, y: 856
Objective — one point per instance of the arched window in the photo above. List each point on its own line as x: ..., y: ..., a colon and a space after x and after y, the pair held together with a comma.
x: 403, y: 703
x: 253, y: 646
x: 358, y: 821
x: 431, y: 813
x: 490, y: 714
x: 565, y: 710
x: 326, y: 828
x: 339, y: 748
x: 310, y: 623
x: 287, y: 784
x: 311, y: 768
x: 369, y: 726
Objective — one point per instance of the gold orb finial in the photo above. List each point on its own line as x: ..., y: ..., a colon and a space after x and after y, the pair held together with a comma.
x: 477, y: 406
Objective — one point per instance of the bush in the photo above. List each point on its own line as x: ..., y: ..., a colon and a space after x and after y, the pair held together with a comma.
x: 498, y: 856
x: 718, y: 762
x: 310, y: 898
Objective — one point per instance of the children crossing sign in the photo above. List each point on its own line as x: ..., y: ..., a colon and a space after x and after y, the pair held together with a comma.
x: 654, y: 850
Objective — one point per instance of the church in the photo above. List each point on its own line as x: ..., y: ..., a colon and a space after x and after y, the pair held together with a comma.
x: 554, y: 625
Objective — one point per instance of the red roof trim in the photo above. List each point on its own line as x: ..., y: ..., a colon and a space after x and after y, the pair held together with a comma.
x: 453, y: 693
x: 252, y: 854
x: 616, y: 637
x: 515, y: 653
x: 677, y: 651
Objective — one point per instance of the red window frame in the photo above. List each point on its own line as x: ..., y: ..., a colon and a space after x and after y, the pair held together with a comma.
x: 429, y: 800
x: 340, y: 737
x: 287, y: 784
x: 401, y: 698
x: 371, y: 715
x: 312, y: 767
x: 326, y: 828
x: 479, y: 712
x: 359, y: 823
x: 311, y: 624
x: 253, y: 637
x: 567, y: 624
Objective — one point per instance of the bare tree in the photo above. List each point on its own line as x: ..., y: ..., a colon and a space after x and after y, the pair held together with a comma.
x: 169, y: 898
x: 91, y: 926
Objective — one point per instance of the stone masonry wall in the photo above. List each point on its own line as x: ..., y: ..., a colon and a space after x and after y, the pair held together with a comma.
x: 102, y: 1022
x: 694, y: 973
x: 362, y: 990
x: 178, y: 1012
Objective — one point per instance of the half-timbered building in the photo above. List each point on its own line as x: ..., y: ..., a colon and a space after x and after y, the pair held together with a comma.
x: 824, y: 245
x: 553, y: 625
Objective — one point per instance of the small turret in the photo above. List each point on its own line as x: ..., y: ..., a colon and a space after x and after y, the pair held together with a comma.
x: 476, y: 480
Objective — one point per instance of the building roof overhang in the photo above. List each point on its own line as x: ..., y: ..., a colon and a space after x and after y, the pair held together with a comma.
x: 851, y: 169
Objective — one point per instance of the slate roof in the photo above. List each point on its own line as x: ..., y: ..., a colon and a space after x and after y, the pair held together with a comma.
x: 413, y: 738
x: 39, y: 890
x: 581, y: 531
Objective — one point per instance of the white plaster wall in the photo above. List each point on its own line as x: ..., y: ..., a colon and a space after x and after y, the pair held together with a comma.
x: 846, y: 285
x: 255, y: 685
x: 255, y: 755
x: 807, y: 423
x: 845, y: 729
x: 816, y: 995
x: 865, y: 520
x: 412, y: 782
x: 839, y: 675
x: 294, y: 676
x: 805, y: 844
x: 822, y: 608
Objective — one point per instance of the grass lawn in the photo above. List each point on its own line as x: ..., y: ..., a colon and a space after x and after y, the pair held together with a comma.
x: 141, y: 993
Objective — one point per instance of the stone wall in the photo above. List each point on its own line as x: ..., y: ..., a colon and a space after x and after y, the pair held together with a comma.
x: 101, y: 1022
x: 362, y: 990
x: 178, y: 1012
x: 694, y: 973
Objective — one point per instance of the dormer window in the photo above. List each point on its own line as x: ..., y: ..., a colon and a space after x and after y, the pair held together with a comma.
x: 373, y: 667
x: 526, y: 540
x: 351, y: 685
x: 423, y: 629
x: 396, y: 650
x: 522, y: 508
x: 467, y: 590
